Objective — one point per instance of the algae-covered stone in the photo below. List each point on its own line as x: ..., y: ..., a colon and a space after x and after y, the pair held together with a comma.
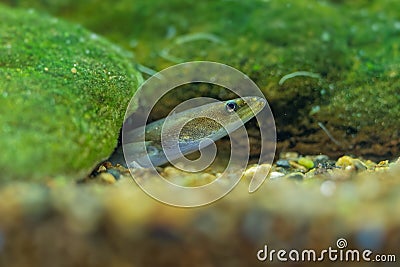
x: 63, y: 93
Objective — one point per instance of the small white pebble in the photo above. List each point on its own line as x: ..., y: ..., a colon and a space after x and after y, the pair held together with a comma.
x: 348, y: 168
x: 274, y: 175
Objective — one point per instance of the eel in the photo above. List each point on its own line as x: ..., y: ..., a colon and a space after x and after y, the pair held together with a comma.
x: 189, y: 130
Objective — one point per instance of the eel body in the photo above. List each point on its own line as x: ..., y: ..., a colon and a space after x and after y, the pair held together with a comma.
x: 189, y: 131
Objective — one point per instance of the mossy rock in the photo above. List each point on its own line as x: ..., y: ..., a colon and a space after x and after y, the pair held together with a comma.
x: 63, y: 94
x: 351, y: 46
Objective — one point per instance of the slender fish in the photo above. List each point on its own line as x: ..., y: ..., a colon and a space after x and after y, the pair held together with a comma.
x: 190, y: 130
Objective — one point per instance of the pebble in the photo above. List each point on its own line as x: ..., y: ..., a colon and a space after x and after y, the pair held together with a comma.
x: 296, y: 169
x: 383, y: 163
x: 329, y: 164
x: 321, y: 159
x: 320, y: 169
x: 306, y: 162
x: 359, y: 165
x: 106, y: 178
x: 344, y: 161
x: 114, y: 173
x: 284, y: 163
x: 349, y: 163
x: 295, y: 176
x: 183, y: 178
x: 250, y: 172
x: 102, y: 168
x: 311, y: 173
x: 274, y: 175
x: 297, y: 166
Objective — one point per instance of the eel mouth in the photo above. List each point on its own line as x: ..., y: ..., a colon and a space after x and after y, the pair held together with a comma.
x: 256, y: 103
x: 252, y: 106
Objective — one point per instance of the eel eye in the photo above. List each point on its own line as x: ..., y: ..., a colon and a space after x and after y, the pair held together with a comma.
x: 231, y: 106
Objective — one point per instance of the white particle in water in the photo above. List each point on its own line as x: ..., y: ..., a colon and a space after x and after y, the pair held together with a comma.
x: 326, y: 36
x: 375, y: 27
x: 94, y: 36
x: 328, y: 188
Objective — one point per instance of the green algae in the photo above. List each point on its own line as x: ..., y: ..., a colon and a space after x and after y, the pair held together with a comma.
x: 63, y: 93
x: 351, y: 45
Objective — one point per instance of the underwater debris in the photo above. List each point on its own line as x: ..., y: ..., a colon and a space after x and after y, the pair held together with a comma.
x: 165, y: 53
x: 199, y: 36
x: 146, y: 70
x: 329, y: 134
x: 167, y: 56
x: 299, y: 73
